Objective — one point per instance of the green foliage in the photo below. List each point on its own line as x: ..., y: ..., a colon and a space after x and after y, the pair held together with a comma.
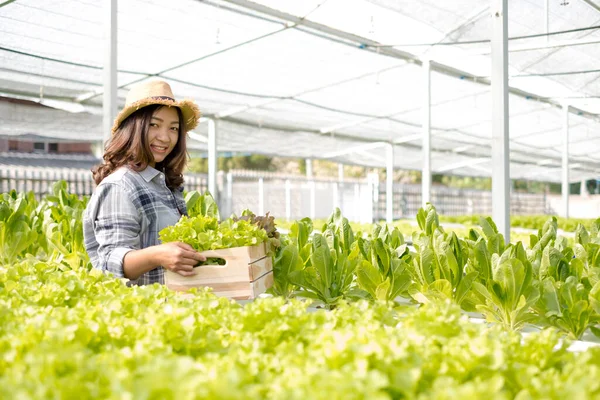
x: 335, y: 265
x: 63, y: 230
x: 383, y: 281
x: 73, y: 333
x: 300, y: 233
x: 294, y: 255
x: 495, y: 240
x: 254, y: 162
x: 206, y: 233
x: 384, y: 272
x: 286, y: 262
x: 511, y: 292
x: 201, y: 204
x: 568, y: 305
x: 438, y: 267
x: 203, y: 231
x: 464, y: 182
x: 338, y: 231
x: 50, y: 228
x: 20, y: 226
x: 330, y: 274
x: 266, y: 223
x: 551, y: 283
x: 523, y: 221
x: 428, y: 220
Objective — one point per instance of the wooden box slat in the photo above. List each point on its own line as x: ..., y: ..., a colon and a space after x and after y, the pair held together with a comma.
x: 247, y: 272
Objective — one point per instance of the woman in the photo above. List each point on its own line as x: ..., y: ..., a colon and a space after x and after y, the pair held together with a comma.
x: 139, y: 188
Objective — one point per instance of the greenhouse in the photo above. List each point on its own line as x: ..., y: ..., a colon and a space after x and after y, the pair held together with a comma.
x: 256, y: 283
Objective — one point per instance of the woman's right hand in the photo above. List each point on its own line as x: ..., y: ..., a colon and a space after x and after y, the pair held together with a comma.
x: 179, y: 257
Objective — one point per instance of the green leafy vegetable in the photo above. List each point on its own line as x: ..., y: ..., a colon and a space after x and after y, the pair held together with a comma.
x: 206, y: 233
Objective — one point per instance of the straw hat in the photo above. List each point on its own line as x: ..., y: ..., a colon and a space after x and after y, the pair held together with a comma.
x: 157, y: 92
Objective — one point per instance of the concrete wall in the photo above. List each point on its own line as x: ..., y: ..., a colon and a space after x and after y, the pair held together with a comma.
x: 75, y: 148
x: 62, y: 148
x: 19, y: 145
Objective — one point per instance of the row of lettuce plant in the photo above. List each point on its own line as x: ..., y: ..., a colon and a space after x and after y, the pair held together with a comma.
x: 524, y: 221
x: 69, y: 331
x: 77, y: 333
x: 50, y: 228
x: 546, y: 283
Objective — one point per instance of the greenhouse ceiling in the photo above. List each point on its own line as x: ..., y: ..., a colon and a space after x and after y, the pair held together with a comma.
x: 320, y: 78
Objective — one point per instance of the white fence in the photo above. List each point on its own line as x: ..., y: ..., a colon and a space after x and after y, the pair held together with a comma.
x: 296, y: 198
x: 293, y: 197
x: 79, y: 181
x: 39, y: 180
x: 453, y: 201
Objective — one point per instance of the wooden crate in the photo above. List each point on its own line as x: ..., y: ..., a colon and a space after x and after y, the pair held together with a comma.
x: 247, y: 272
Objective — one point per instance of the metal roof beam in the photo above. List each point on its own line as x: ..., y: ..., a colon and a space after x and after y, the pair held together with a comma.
x: 239, y: 109
x: 461, y: 149
x: 373, y: 46
x: 539, y: 46
x: 462, y: 164
x: 408, y: 138
x: 592, y: 4
x: 321, y: 28
x: 390, y: 117
x: 355, y: 149
x: 96, y: 93
x: 405, y: 142
x: 471, y: 19
x: 7, y: 2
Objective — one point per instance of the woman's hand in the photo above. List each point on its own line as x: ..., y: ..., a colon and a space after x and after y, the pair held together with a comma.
x: 179, y: 257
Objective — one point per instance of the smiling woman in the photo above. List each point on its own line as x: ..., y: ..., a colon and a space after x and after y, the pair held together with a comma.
x: 163, y: 133
x: 140, y: 185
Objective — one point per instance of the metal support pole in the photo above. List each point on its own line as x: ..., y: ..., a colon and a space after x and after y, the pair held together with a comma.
x: 212, y: 158
x: 313, y: 200
x: 229, y: 193
x: 309, y: 168
x: 547, y: 18
x: 288, y: 199
x: 340, y: 187
x: 583, y: 190
x: 109, y: 100
x: 356, y: 202
x: 370, y: 200
x: 426, y: 123
x: 374, y: 182
x: 500, y: 145
x: 565, y: 162
x: 261, y: 197
x: 336, y: 202
x: 389, y: 184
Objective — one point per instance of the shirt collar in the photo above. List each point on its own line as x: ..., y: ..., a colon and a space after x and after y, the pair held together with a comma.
x: 149, y: 173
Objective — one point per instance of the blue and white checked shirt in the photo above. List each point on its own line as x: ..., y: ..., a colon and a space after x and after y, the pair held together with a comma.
x: 126, y: 212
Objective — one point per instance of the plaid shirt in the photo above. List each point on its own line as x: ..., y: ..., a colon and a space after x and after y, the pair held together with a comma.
x: 126, y: 212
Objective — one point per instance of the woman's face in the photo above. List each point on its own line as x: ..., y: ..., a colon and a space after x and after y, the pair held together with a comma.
x: 163, y: 133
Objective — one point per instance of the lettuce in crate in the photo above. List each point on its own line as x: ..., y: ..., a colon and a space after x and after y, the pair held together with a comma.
x: 267, y: 223
x: 206, y: 233
x: 203, y: 231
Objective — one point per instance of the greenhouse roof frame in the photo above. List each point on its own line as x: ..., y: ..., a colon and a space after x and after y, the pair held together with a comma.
x: 278, y: 116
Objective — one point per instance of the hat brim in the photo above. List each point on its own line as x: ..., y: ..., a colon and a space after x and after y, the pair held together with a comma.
x: 190, y: 111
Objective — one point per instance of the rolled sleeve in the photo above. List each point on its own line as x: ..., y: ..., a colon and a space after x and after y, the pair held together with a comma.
x: 117, y: 226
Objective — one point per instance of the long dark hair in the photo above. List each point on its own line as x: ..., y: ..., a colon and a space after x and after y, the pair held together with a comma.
x: 129, y: 146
